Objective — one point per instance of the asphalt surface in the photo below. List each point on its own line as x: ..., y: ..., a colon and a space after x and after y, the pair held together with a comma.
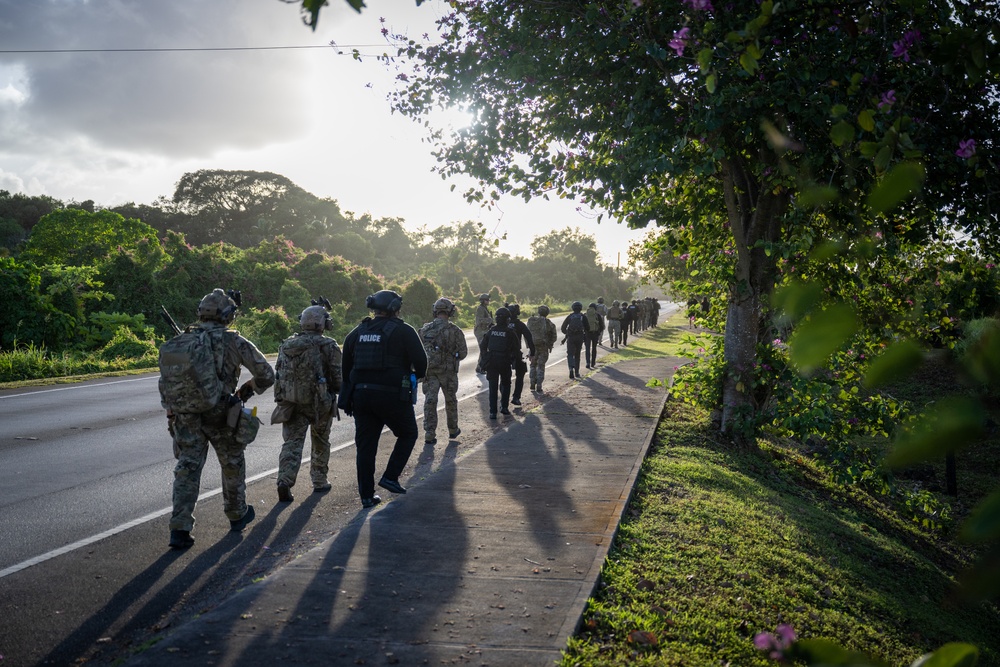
x: 489, y: 558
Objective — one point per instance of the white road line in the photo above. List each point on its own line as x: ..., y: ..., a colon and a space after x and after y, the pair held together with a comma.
x: 78, y: 386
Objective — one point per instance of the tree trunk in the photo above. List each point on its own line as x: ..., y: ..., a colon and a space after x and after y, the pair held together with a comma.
x: 755, y: 214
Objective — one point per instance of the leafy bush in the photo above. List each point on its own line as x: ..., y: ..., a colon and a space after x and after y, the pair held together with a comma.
x: 125, y: 344
x: 103, y: 328
x: 265, y: 328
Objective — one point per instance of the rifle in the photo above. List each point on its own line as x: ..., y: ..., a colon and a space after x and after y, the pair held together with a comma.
x: 173, y: 325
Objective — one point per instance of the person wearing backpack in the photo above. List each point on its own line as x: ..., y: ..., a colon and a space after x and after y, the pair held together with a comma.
x: 444, y: 343
x: 595, y: 327
x: 602, y: 310
x: 383, y: 362
x: 500, y: 346
x: 614, y: 324
x: 307, y: 380
x: 484, y: 320
x: 199, y: 371
x: 543, y: 334
x: 575, y: 327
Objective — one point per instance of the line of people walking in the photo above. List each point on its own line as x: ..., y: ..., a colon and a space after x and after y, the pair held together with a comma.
x: 373, y: 379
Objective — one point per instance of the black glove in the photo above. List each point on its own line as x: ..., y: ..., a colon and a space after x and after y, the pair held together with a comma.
x: 246, y: 391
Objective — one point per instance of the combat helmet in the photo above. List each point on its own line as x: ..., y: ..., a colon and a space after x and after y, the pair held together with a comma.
x: 219, y: 306
x: 600, y: 299
x: 315, y: 318
x: 385, y: 301
x: 543, y: 310
x: 502, y: 316
x: 577, y: 306
x: 484, y: 297
x: 443, y: 305
x: 514, y: 309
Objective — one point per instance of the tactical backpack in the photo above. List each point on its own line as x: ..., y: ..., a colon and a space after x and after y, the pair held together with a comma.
x: 592, y: 321
x: 431, y: 335
x: 539, y: 335
x: 298, y: 370
x: 190, y: 379
x: 574, y: 324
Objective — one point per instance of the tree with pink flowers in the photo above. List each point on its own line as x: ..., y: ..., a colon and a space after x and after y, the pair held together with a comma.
x: 756, y: 118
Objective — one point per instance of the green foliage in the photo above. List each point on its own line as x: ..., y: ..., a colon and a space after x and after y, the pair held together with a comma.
x: 266, y: 328
x: 80, y: 238
x: 103, y: 328
x: 419, y: 296
x: 125, y: 344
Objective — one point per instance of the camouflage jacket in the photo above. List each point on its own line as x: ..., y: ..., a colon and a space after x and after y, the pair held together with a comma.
x: 445, y: 345
x: 484, y: 320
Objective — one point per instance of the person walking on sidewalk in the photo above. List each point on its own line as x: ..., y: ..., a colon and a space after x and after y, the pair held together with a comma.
x: 602, y: 310
x: 627, y: 315
x: 500, y: 348
x: 575, y: 328
x: 216, y: 355
x: 484, y: 320
x: 614, y: 324
x: 543, y: 333
x: 383, y: 361
x: 444, y: 343
x: 307, y: 380
x: 520, y: 367
x: 595, y: 327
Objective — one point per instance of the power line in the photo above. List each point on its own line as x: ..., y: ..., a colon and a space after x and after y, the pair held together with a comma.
x: 205, y: 48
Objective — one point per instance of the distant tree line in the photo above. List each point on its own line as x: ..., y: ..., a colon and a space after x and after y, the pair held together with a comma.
x: 77, y: 272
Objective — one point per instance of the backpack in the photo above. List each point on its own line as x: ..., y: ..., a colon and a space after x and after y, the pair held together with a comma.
x: 190, y: 379
x: 592, y: 321
x: 574, y: 326
x: 298, y: 370
x: 539, y: 332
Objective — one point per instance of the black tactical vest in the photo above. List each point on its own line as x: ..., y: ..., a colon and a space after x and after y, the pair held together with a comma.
x: 370, y: 349
x: 497, y: 342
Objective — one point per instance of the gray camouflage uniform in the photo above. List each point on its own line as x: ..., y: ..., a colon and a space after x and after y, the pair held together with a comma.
x: 318, y: 421
x: 484, y: 320
x: 194, y: 431
x: 445, y: 345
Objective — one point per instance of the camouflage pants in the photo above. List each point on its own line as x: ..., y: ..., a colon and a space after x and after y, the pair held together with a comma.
x: 481, y: 359
x: 446, y: 382
x: 192, y: 435
x: 614, y: 332
x: 536, y: 372
x: 293, y: 432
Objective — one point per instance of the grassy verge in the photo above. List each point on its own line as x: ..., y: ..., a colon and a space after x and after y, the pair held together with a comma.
x: 720, y: 544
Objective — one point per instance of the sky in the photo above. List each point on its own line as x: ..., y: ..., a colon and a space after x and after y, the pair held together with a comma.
x: 114, y: 125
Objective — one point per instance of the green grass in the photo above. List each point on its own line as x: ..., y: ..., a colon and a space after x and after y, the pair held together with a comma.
x: 719, y: 544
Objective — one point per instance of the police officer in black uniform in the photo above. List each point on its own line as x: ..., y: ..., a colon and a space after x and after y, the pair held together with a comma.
x: 520, y: 330
x: 499, y: 345
x: 380, y: 355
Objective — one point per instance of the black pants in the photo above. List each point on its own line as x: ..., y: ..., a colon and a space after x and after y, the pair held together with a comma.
x: 625, y: 329
x: 498, y: 377
x: 373, y: 411
x: 591, y: 339
x: 520, y: 370
x: 574, y: 345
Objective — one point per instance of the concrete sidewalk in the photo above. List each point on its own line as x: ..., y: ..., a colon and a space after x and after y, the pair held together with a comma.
x: 489, y: 561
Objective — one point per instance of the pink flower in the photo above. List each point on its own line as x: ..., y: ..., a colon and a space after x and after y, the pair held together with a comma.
x: 990, y: 266
x: 775, y: 644
x: 966, y: 148
x: 699, y: 5
x: 680, y: 40
x: 888, y: 99
x: 901, y: 49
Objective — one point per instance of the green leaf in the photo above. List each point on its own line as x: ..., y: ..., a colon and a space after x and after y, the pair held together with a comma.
x: 705, y: 59
x: 953, y: 654
x: 901, y: 182
x: 898, y: 360
x: 838, y: 110
x: 883, y: 158
x: 748, y: 63
x: 797, y: 299
x: 984, y: 523
x: 818, y: 195
x: 842, y: 133
x: 825, y: 652
x: 820, y: 336
x: 866, y: 119
x: 711, y: 82
x: 945, y: 427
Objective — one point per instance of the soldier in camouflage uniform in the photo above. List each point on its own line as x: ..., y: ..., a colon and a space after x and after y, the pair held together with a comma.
x: 317, y: 415
x: 192, y: 432
x: 484, y: 320
x: 445, y: 345
x: 543, y: 333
